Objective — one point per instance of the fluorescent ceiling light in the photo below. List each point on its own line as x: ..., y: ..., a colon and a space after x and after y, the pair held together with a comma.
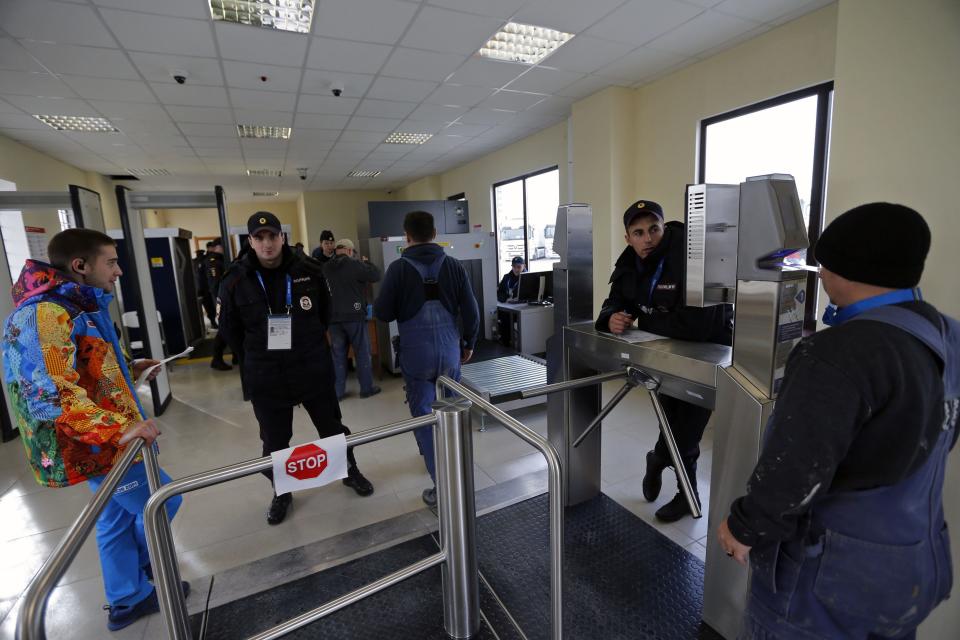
x: 149, y: 172
x: 285, y: 15
x: 269, y: 194
x: 407, y: 138
x: 261, y: 131
x: 524, y: 43
x: 78, y: 123
x: 366, y: 173
x: 264, y: 173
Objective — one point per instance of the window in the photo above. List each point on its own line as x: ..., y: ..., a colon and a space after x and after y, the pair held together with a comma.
x: 525, y: 216
x: 787, y: 134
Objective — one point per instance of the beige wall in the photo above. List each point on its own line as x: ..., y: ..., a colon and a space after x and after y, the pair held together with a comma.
x: 427, y: 188
x: 205, y: 223
x: 342, y: 212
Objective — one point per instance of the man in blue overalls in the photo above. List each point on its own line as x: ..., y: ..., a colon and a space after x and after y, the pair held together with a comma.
x: 424, y: 292
x: 843, y: 518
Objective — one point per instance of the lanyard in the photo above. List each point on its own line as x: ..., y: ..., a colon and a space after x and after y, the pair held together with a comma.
x: 655, y: 280
x: 842, y: 314
x: 267, y: 295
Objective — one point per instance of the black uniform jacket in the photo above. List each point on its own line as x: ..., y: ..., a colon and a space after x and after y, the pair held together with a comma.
x: 663, y: 312
x: 282, y: 377
x: 213, y: 270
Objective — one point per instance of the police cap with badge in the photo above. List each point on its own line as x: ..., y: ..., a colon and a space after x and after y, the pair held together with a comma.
x: 263, y: 220
x: 642, y: 208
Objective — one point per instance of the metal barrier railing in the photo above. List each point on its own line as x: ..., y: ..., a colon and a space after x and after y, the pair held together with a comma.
x: 30, y: 622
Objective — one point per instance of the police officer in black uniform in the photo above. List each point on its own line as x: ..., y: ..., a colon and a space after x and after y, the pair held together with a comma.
x: 646, y: 288
x: 203, y: 290
x: 274, y: 311
x: 213, y: 274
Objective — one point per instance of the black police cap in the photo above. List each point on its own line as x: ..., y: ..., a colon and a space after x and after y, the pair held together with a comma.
x: 263, y: 220
x: 642, y: 208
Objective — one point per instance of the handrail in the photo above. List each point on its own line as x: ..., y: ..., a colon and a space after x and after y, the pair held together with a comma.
x: 555, y: 486
x: 30, y: 622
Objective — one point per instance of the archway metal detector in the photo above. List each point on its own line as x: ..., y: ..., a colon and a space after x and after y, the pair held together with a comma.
x: 130, y: 204
x: 84, y: 205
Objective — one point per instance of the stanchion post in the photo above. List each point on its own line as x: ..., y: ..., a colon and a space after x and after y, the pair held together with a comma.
x: 456, y: 509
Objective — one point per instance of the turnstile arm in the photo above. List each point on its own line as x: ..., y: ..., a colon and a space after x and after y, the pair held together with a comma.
x: 682, y: 478
x: 607, y: 408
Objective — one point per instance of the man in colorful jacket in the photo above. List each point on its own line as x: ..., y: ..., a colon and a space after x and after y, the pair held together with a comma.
x: 74, y: 403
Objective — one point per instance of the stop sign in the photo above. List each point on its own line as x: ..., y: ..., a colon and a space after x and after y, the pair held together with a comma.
x: 306, y: 461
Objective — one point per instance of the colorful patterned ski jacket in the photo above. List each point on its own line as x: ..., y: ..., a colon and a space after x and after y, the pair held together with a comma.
x: 66, y: 376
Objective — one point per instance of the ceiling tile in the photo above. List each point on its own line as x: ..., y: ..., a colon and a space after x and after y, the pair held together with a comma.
x: 160, y: 34
x: 313, y: 136
x: 54, y: 22
x: 586, y: 86
x: 760, y: 10
x: 215, y: 142
x: 436, y: 113
x: 247, y: 75
x: 200, y: 131
x: 354, y: 147
x: 494, y: 8
x: 191, y: 95
x: 585, y: 54
x: 320, y: 121
x: 544, y: 80
x: 33, y: 84
x: 362, y: 136
x: 706, y: 31
x: 14, y: 57
x: 177, y: 8
x: 419, y: 126
x: 640, y: 21
x: 109, y: 89
x: 265, y: 46
x: 52, y: 106
x: 385, y: 108
x: 354, y: 84
x: 346, y: 56
x: 159, y: 67
x: 6, y: 107
x: 201, y: 114
x: 460, y: 95
x: 263, y: 116
x: 327, y: 104
x: 486, y: 116
x: 271, y: 100
x: 386, y: 125
x: 512, y: 100
x: 90, y: 61
x: 640, y: 64
x: 492, y: 74
x: 422, y: 65
x: 450, y: 31
x: 403, y: 90
x: 572, y: 16
x: 20, y: 121
x: 467, y: 130
x: 381, y: 21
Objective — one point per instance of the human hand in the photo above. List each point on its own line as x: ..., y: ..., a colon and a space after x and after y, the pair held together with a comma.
x: 730, y: 545
x: 620, y: 322
x: 148, y: 430
x: 139, y: 366
x: 465, y: 355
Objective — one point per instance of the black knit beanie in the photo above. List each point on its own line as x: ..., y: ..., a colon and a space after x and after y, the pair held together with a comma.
x: 880, y: 243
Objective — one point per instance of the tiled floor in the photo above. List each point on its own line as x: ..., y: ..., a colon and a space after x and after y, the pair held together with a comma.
x: 208, y: 425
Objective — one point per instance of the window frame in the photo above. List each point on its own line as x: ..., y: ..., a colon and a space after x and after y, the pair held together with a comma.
x: 818, y: 184
x: 526, y: 224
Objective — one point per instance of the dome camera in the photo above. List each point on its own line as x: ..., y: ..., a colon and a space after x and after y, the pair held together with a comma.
x: 336, y: 88
x: 179, y: 76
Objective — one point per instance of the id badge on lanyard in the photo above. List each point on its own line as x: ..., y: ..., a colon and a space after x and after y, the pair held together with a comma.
x: 279, y: 326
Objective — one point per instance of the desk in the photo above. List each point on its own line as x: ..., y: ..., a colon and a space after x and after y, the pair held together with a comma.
x: 523, y: 327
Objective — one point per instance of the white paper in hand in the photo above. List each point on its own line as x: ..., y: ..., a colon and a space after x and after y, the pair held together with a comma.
x: 146, y: 372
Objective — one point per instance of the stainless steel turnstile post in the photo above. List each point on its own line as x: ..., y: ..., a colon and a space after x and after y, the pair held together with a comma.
x: 457, y: 513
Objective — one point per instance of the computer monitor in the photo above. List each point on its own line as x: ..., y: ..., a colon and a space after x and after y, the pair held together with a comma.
x: 535, y: 286
x: 547, y: 285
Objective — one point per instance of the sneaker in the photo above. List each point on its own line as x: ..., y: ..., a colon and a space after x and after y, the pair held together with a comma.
x: 278, y: 508
x: 673, y: 510
x: 220, y: 365
x: 373, y: 391
x: 357, y: 482
x: 429, y: 496
x: 121, y: 617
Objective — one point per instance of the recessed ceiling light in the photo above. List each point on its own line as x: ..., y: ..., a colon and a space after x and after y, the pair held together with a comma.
x: 149, y: 172
x: 261, y: 131
x: 285, y: 15
x: 407, y: 138
x: 269, y: 194
x: 365, y: 173
x: 524, y: 43
x: 78, y: 123
x: 264, y: 173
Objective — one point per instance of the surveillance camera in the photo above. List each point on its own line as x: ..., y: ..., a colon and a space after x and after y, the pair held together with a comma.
x: 336, y: 88
x: 302, y: 171
x: 179, y: 76
x: 303, y: 177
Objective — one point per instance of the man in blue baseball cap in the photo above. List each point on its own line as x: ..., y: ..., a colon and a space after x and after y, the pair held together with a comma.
x: 510, y: 284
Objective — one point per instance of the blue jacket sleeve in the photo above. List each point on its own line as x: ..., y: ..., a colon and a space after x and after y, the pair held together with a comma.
x: 385, y: 307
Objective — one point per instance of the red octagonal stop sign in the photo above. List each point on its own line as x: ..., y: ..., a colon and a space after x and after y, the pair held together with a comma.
x: 306, y: 461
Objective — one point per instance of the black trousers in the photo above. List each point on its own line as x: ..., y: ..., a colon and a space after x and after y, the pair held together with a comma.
x: 210, y: 307
x: 219, y: 344
x: 687, y: 422
x: 276, y: 425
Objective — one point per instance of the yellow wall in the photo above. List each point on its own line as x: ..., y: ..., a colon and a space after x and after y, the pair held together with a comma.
x: 342, y: 212
x: 205, y: 223
x: 427, y: 188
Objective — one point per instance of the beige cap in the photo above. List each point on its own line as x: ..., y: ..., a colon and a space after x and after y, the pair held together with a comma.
x: 344, y: 244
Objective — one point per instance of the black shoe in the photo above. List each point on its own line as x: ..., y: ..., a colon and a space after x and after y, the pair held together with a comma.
x: 652, y: 480
x: 278, y: 508
x: 121, y: 617
x: 673, y: 510
x: 373, y: 391
x: 220, y: 365
x: 234, y: 361
x: 429, y: 497
x: 357, y: 482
